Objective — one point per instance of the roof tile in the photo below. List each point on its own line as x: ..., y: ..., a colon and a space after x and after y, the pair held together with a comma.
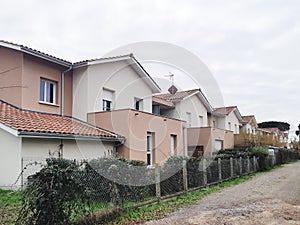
x: 37, y: 122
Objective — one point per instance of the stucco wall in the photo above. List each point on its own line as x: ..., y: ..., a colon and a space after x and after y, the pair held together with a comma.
x: 72, y: 149
x: 134, y: 126
x: 206, y: 137
x: 10, y: 160
x: 116, y: 76
x: 232, y: 118
x: 195, y: 107
x: 11, y: 76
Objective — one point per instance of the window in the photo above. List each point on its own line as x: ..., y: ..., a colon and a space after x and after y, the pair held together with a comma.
x: 200, y: 121
x: 188, y: 119
x: 218, y: 145
x: 149, y: 148
x: 138, y: 103
x: 235, y: 129
x: 173, y: 144
x: 229, y: 126
x: 107, y: 100
x: 214, y: 124
x: 48, y: 91
x: 156, y: 109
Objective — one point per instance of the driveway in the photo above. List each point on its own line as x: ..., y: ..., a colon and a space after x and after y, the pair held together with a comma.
x: 269, y: 198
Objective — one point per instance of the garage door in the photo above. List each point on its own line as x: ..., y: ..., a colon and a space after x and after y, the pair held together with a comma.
x: 218, y: 145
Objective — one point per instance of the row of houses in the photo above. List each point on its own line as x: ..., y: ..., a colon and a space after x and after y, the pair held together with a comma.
x: 102, y: 107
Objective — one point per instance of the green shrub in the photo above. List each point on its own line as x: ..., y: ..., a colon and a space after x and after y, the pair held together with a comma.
x: 53, y: 195
x: 260, y: 151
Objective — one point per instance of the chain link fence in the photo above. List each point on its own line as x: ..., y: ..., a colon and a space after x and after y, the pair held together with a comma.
x: 115, y: 183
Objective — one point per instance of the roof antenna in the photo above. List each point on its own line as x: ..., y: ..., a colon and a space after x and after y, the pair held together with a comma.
x: 171, y: 77
x: 172, y: 90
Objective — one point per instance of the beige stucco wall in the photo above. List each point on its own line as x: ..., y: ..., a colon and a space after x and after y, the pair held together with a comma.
x: 11, y: 81
x: 232, y: 118
x: 72, y: 149
x: 24, y: 81
x: 195, y: 107
x: 116, y: 76
x: 206, y: 137
x: 134, y: 125
x: 33, y: 70
x: 10, y: 160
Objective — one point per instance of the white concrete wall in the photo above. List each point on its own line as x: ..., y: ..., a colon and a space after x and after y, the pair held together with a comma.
x: 249, y: 129
x: 116, y: 76
x: 232, y: 118
x: 80, y: 93
x: 72, y: 149
x: 195, y: 107
x: 10, y: 160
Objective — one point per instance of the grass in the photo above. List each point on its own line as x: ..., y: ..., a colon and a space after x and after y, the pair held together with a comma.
x: 162, y: 209
x: 10, y: 203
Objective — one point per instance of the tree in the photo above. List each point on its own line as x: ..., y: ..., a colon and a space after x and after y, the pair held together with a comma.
x: 283, y: 126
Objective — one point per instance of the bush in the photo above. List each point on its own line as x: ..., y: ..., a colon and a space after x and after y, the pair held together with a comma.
x: 53, y: 195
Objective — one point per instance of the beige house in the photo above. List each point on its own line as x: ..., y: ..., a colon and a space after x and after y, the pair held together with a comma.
x: 231, y: 118
x: 36, y: 114
x: 193, y: 107
x: 116, y: 94
x: 250, y: 125
x: 93, y: 108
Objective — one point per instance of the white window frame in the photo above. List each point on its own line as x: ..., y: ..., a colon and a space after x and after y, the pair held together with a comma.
x: 173, y: 139
x: 46, y: 93
x: 139, y: 102
x: 201, y: 123
x: 150, y: 148
x: 188, y: 119
x: 107, y: 97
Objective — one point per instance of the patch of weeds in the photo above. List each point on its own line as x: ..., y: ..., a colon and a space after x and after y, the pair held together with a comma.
x: 10, y: 204
x: 163, y: 208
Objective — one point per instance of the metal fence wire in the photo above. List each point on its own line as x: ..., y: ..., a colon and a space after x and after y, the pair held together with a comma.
x: 111, y: 181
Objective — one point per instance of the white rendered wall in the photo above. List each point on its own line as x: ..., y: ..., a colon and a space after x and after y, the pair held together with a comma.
x: 10, y: 160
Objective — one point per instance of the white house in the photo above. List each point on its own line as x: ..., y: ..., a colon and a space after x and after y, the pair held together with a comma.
x: 29, y: 136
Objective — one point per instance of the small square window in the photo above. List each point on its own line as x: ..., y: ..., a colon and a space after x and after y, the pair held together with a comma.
x: 48, y: 91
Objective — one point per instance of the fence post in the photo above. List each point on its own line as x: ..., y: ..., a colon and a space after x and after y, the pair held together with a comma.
x: 185, y: 176
x: 204, y: 172
x: 231, y: 167
x: 254, y: 164
x: 157, y: 182
x: 248, y: 164
x: 220, y: 168
x: 241, y: 166
x: 22, y: 174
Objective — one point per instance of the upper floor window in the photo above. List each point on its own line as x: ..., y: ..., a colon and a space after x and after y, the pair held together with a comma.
x: 188, y: 119
x: 48, y: 91
x: 201, y: 121
x: 138, y: 104
x: 229, y: 126
x: 107, y: 100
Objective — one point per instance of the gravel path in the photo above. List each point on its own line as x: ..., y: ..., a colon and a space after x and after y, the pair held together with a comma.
x: 269, y: 198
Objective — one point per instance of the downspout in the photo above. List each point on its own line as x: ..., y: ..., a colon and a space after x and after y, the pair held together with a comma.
x: 62, y: 108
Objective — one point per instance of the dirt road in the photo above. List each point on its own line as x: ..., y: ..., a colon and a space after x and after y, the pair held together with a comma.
x: 269, y: 198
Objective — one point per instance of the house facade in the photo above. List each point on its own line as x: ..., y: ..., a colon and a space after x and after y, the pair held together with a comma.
x: 36, y: 118
x: 108, y: 106
x: 193, y: 107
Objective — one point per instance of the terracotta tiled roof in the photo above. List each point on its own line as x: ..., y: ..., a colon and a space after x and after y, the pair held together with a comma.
x: 29, y: 50
x: 271, y: 129
x: 248, y: 118
x: 48, y: 124
x: 162, y: 102
x: 225, y: 110
x: 178, y: 96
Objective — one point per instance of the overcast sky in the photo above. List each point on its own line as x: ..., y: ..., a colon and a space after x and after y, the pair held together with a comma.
x: 251, y: 47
